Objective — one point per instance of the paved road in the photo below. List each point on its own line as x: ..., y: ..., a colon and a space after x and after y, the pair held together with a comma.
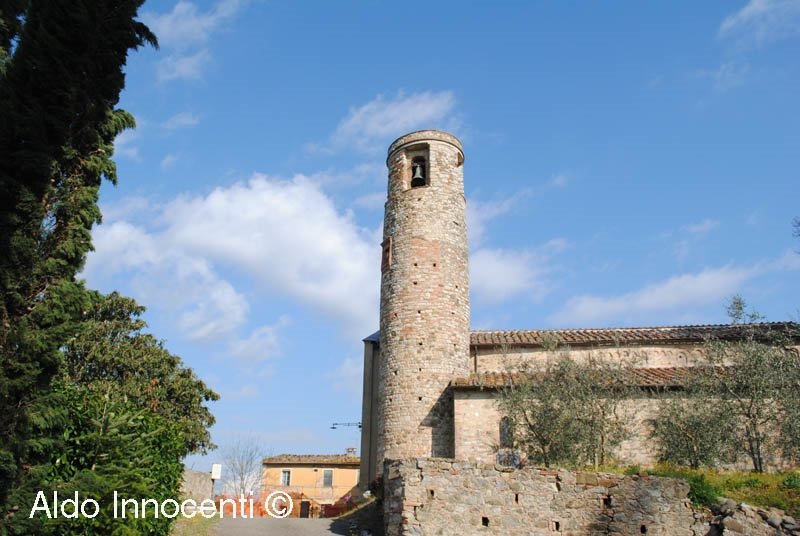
x: 268, y: 526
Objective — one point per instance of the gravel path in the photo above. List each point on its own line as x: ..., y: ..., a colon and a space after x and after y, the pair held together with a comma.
x: 267, y: 526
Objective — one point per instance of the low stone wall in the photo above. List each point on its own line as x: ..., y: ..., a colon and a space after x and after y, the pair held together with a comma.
x: 442, y: 496
x: 196, y: 485
x: 737, y: 519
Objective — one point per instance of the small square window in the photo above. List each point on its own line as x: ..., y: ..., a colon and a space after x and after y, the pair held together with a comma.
x: 286, y: 478
x: 327, y: 478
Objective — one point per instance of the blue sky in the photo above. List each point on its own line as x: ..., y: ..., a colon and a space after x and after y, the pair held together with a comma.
x: 627, y: 164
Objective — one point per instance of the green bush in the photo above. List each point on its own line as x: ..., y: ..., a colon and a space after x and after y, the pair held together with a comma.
x: 701, y: 491
x: 113, y: 446
x: 742, y: 481
x: 632, y: 470
x: 792, y: 481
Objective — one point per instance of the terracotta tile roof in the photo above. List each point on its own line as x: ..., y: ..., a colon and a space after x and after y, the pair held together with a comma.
x: 312, y: 459
x: 613, y: 336
x: 639, y: 377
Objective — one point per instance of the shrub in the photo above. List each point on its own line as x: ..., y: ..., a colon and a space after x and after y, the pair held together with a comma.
x: 792, y: 481
x: 701, y: 491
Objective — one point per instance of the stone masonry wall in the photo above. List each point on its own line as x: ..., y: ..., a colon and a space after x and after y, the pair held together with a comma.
x: 424, y: 309
x: 511, y: 359
x: 448, y: 497
x: 196, y: 485
x: 487, y: 359
x: 477, y: 427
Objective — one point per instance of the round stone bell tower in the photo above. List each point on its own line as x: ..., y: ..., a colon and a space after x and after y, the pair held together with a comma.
x: 424, y: 309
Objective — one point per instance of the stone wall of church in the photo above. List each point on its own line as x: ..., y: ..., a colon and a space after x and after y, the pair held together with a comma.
x: 477, y: 422
x: 515, y: 358
x: 437, y: 496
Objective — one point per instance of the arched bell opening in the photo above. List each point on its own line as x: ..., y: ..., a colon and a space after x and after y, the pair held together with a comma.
x: 419, y: 172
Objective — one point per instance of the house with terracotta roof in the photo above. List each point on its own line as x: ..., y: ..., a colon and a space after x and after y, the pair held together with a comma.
x: 431, y: 384
x: 318, y: 483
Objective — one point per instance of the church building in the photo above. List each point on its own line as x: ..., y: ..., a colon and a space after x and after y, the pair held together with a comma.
x: 431, y: 384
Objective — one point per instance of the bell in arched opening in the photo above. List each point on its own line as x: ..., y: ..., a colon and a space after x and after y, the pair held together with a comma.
x: 418, y: 173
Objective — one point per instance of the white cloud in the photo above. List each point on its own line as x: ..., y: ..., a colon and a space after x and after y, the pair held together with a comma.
x: 682, y: 249
x: 120, y: 246
x: 702, y: 227
x: 204, y: 305
x: 285, y: 234
x: 185, y: 31
x: 762, y: 21
x: 479, y: 213
x: 559, y: 180
x: 790, y: 261
x: 357, y: 174
x: 187, y: 26
x: 673, y: 295
x: 211, y: 308
x: 263, y: 343
x: 125, y: 144
x: 243, y: 392
x: 690, y: 236
x: 178, y: 66
x: 348, y: 377
x: 181, y: 120
x: 168, y: 161
x: 372, y: 126
x: 125, y: 208
x: 655, y: 80
x: 319, y: 255
x: 727, y: 76
x: 373, y: 201
x: 499, y: 274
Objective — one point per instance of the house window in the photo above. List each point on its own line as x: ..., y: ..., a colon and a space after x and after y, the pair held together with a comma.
x: 327, y: 478
x: 286, y: 477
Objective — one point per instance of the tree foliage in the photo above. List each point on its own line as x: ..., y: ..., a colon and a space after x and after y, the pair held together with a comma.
x: 107, y: 445
x: 88, y: 401
x: 567, y: 412
x: 692, y: 432
x: 747, y: 395
x: 110, y: 354
x: 60, y: 78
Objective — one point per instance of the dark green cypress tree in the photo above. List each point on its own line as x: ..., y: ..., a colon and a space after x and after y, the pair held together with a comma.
x: 61, y: 73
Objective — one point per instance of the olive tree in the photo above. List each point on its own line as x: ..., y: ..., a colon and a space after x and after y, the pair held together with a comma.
x: 743, y: 402
x: 692, y: 431
x: 567, y: 411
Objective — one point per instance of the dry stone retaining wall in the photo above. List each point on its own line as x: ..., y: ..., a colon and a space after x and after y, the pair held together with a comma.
x: 444, y: 497
x: 734, y: 519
